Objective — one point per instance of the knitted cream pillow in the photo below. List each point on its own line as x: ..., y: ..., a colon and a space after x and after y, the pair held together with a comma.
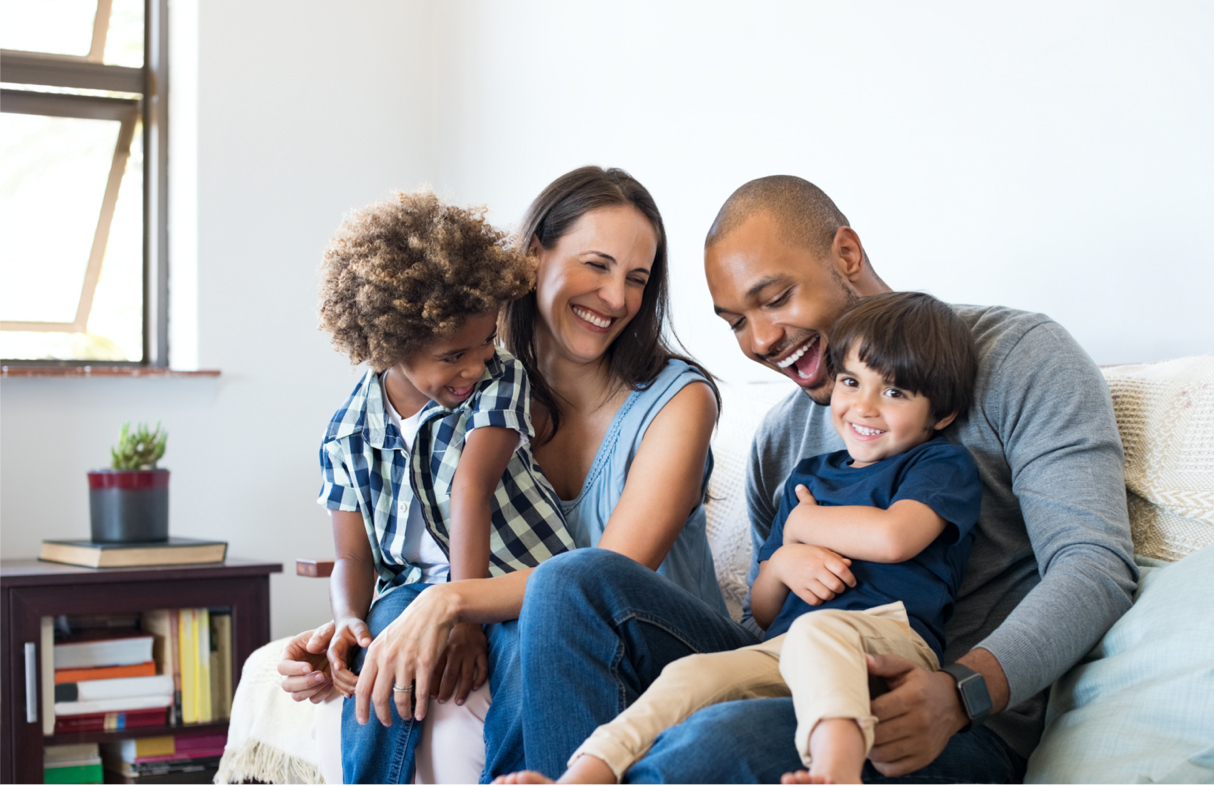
x: 1165, y: 413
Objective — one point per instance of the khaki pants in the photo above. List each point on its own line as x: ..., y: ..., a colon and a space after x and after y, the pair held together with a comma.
x: 819, y: 662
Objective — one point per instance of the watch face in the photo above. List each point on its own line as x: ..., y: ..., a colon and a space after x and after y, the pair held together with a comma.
x: 976, y: 697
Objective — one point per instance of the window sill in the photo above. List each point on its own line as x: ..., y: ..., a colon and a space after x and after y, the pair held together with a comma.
x: 15, y: 370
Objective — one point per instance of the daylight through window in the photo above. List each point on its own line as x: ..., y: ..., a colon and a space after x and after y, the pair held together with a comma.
x: 82, y: 256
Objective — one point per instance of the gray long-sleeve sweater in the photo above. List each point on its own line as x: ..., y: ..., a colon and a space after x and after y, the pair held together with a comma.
x: 1052, y: 565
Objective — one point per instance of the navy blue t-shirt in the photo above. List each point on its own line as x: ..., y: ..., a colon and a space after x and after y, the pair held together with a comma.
x: 937, y: 473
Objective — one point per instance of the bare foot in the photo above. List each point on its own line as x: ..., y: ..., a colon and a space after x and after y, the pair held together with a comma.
x: 836, y: 747
x: 801, y: 776
x: 526, y: 776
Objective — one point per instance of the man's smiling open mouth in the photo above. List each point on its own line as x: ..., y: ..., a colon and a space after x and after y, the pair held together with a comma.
x: 804, y: 362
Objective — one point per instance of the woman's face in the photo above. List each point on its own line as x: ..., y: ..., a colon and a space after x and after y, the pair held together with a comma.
x: 589, y: 285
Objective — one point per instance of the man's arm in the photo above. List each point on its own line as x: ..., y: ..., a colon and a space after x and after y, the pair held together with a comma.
x: 1057, y: 441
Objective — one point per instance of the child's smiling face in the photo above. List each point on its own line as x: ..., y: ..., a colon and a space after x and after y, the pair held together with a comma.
x: 876, y: 418
x: 447, y: 369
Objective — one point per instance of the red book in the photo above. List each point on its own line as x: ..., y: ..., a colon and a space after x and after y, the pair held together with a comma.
x: 147, y: 669
x: 110, y: 721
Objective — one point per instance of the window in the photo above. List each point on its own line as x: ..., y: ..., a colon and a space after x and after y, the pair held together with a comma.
x: 82, y: 181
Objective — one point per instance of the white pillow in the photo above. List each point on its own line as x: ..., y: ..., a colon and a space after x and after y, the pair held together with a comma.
x: 1140, y: 707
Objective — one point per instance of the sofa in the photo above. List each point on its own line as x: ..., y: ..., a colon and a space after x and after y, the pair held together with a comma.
x: 1139, y: 708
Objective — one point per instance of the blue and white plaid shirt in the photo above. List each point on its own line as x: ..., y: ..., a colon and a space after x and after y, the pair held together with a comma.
x: 363, y: 461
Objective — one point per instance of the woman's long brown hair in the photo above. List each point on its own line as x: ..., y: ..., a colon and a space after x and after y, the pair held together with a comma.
x: 640, y: 353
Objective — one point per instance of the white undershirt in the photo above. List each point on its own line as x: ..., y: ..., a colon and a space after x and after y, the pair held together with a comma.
x: 420, y: 548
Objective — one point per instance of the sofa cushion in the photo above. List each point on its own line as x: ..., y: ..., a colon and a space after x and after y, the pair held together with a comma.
x: 1165, y: 413
x: 742, y: 409
x: 1140, y: 707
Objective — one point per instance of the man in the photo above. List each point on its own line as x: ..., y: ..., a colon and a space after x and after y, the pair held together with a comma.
x: 1051, y: 568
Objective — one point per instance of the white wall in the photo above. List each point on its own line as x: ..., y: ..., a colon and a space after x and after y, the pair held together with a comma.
x: 1048, y: 156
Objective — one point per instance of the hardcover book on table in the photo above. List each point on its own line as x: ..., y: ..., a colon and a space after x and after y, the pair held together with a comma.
x: 174, y: 551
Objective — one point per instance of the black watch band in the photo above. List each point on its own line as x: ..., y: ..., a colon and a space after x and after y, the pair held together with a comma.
x: 975, y: 698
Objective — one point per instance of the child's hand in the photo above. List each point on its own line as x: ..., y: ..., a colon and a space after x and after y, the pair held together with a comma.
x: 814, y: 573
x: 796, y: 517
x: 351, y: 632
x: 464, y: 664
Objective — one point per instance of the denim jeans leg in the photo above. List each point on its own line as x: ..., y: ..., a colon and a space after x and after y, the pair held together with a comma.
x: 751, y: 741
x: 596, y: 629
x: 504, y: 721
x: 374, y: 753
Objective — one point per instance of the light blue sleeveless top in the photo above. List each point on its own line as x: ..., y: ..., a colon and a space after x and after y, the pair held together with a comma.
x: 689, y: 563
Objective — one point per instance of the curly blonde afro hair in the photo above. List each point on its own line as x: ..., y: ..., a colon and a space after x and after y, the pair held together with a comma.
x: 404, y: 271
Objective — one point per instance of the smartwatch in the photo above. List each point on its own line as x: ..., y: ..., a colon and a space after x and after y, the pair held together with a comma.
x: 974, y: 696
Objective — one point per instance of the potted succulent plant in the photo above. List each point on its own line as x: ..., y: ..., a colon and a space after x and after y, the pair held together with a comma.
x: 130, y: 501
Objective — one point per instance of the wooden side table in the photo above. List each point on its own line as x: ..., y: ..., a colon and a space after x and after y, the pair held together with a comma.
x: 30, y: 590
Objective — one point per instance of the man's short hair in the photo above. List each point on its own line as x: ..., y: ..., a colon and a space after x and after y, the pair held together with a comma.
x: 806, y: 215
x: 915, y: 342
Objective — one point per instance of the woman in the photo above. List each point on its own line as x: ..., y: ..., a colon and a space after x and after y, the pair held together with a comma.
x: 624, y: 427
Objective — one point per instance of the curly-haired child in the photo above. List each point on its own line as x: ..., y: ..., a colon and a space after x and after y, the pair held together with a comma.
x: 427, y: 466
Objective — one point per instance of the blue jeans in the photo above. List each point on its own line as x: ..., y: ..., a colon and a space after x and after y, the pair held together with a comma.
x: 596, y: 630
x: 751, y: 741
x: 375, y: 753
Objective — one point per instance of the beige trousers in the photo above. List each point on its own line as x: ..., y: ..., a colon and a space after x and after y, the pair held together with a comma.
x: 819, y: 662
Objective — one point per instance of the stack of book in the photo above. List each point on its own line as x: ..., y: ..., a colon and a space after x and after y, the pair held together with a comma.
x: 71, y: 764
x: 164, y: 759
x: 162, y: 668
x: 108, y: 683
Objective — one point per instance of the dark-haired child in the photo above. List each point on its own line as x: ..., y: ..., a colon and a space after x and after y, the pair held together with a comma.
x: 872, y: 540
x: 427, y: 466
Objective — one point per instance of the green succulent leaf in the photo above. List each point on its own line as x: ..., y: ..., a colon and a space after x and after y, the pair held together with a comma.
x: 140, y: 450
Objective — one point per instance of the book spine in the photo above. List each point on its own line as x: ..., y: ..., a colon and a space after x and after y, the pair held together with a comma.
x: 203, y: 617
x: 189, y: 657
x: 64, y: 676
x: 174, y: 635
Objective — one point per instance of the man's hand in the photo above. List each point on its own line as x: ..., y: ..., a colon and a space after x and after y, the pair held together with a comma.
x: 464, y: 665
x: 815, y: 574
x: 916, y: 719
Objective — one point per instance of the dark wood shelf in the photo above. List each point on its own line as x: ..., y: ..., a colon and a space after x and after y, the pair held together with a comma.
x: 190, y: 730
x: 31, y: 590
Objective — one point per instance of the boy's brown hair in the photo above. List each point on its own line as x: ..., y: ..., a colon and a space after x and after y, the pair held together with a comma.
x: 403, y: 271
x: 916, y: 342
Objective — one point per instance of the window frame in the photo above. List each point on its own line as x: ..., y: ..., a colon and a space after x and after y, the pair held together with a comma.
x: 151, y: 82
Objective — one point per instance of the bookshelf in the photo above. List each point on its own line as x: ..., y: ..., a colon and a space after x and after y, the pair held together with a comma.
x: 30, y: 590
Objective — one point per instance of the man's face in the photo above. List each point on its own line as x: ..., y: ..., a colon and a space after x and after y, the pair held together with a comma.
x: 779, y: 300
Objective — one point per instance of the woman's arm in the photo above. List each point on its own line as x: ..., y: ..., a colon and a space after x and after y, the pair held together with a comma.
x: 665, y: 479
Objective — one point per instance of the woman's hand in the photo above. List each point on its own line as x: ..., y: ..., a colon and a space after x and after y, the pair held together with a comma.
x: 405, y: 656
x: 349, y: 633
x: 464, y: 665
x: 304, y: 665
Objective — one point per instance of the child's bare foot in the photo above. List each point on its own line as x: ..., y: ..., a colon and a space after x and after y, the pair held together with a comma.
x: 526, y: 776
x: 802, y: 776
x: 836, y: 747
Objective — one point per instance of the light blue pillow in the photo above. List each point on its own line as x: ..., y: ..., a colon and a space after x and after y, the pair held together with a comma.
x: 1140, y: 707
